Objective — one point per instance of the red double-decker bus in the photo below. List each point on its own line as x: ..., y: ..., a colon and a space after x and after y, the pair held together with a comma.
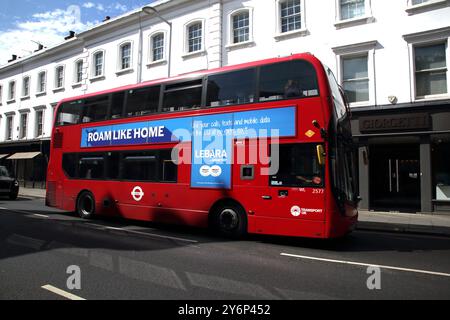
x: 262, y: 147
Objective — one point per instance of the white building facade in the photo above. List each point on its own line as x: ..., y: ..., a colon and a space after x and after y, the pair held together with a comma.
x: 391, y: 58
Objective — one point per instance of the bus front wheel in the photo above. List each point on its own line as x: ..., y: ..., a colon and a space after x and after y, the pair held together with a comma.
x: 230, y: 220
x: 86, y: 205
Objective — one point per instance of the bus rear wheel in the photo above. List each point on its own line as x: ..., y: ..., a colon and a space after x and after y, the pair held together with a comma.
x: 229, y: 220
x: 86, y: 205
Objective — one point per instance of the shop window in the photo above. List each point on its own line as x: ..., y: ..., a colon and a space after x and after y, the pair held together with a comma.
x: 441, y: 169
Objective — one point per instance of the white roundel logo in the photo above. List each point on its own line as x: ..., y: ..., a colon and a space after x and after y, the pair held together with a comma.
x: 137, y: 193
x: 216, y: 171
x: 295, y: 211
x: 205, y: 171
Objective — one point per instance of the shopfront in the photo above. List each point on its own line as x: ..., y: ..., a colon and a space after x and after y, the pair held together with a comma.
x: 404, y: 157
x: 28, y: 160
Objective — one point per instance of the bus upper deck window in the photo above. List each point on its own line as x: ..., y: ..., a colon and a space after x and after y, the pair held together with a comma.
x: 287, y: 80
x: 70, y: 113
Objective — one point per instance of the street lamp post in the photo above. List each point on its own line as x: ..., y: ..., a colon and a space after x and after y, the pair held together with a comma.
x: 150, y: 10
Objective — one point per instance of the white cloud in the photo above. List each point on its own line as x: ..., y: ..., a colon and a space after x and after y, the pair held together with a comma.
x: 88, y: 5
x: 49, y: 28
x: 120, y: 7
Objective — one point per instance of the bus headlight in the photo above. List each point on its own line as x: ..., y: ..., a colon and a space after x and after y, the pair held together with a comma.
x: 16, y: 183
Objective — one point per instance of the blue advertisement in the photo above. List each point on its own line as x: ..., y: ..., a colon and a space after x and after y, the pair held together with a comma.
x: 212, y: 151
x: 211, y: 135
x: 149, y: 132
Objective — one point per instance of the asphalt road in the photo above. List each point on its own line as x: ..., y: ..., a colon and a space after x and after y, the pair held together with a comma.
x: 121, y: 259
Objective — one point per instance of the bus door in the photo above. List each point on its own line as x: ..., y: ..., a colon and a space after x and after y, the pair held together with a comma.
x: 296, y: 189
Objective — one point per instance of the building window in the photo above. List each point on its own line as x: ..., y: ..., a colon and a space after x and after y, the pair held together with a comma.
x: 42, y: 82
x: 12, y: 91
x: 350, y: 9
x: 26, y: 87
x: 9, y: 127
x: 430, y: 70
x: 355, y: 78
x: 195, y: 37
x: 78, y: 71
x: 125, y: 56
x: 290, y: 15
x: 98, y: 64
x: 23, y: 125
x: 157, y: 47
x: 241, y: 26
x: 59, y: 77
x: 416, y: 2
x: 39, y: 123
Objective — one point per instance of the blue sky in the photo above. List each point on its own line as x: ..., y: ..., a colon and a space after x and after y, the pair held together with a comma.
x: 48, y: 21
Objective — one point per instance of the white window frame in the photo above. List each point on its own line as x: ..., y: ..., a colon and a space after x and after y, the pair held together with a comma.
x: 430, y: 37
x: 202, y: 50
x: 25, y: 95
x: 231, y: 44
x: 36, y: 127
x: 57, y: 88
x: 11, y: 128
x: 165, y: 47
x: 102, y: 75
x: 75, y: 73
x: 12, y: 97
x: 23, y: 113
x: 38, y: 91
x: 303, y: 31
x: 1, y: 95
x: 121, y: 70
x: 355, y: 50
x: 423, y: 7
x: 366, y: 18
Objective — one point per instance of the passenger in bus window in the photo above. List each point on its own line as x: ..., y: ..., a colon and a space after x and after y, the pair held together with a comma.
x: 292, y: 89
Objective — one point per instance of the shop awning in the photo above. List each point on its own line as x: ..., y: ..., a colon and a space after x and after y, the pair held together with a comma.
x: 24, y: 155
x: 3, y: 156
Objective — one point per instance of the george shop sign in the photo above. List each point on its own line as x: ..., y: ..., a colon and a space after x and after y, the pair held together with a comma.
x: 415, y: 121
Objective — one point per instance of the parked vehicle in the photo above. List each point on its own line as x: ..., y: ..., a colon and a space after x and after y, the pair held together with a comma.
x: 8, y: 183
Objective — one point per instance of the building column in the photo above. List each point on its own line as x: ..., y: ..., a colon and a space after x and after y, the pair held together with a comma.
x: 215, y: 35
x: 426, y: 182
x: 363, y: 161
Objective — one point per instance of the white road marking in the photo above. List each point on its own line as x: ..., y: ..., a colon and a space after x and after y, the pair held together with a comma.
x: 62, y: 293
x: 151, y: 234
x: 442, y: 274
x: 141, y: 233
x: 2, y: 208
x: 40, y: 215
x: 23, y: 241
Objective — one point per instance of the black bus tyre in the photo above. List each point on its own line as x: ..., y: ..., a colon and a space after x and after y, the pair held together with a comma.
x: 86, y: 205
x: 230, y: 220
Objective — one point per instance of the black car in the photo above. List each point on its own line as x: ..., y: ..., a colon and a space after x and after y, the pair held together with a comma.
x: 8, y: 184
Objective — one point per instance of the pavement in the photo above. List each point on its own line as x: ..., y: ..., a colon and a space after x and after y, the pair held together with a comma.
x: 433, y: 224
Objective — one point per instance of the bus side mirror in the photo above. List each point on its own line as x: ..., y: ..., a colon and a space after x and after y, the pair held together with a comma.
x: 320, y: 155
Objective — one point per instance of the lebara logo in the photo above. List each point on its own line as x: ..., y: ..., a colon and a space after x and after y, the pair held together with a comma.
x: 295, y: 211
x: 137, y: 193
